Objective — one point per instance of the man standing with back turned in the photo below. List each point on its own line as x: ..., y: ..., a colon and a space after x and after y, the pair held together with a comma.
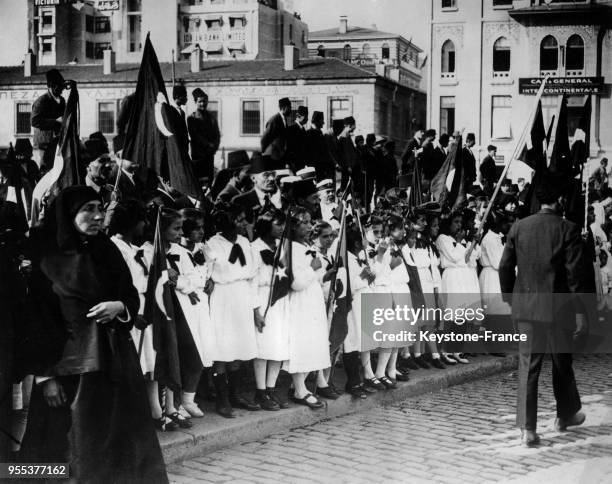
x: 547, y: 250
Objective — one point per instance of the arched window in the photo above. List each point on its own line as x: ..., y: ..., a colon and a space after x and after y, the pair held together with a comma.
x: 366, y: 49
x: 549, y: 54
x: 321, y: 51
x: 574, y: 56
x: 448, y: 57
x: 501, y: 55
x: 346, y: 52
x: 386, y: 53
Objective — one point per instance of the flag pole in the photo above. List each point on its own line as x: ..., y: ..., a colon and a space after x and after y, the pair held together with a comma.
x: 519, y: 146
x: 173, y: 71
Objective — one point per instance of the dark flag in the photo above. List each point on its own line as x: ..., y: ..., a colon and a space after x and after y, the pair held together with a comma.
x: 560, y: 161
x: 149, y: 138
x: 581, y: 146
x: 448, y: 186
x: 67, y: 168
x: 16, y: 192
x: 340, y: 299
x: 159, y: 312
x: 282, y: 276
x: 533, y: 151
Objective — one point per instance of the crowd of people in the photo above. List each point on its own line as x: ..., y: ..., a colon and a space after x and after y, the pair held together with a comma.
x: 79, y: 281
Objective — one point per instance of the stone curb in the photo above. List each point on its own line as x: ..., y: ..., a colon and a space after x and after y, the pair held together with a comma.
x: 214, y: 432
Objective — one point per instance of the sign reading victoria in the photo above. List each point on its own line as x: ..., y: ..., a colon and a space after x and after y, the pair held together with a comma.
x: 562, y: 85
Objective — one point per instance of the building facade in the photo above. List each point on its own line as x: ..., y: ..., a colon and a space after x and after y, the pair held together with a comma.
x: 389, y: 55
x: 63, y: 31
x: 243, y: 95
x: 489, y: 56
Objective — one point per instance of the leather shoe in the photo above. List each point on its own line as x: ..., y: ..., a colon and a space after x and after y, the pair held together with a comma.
x: 529, y: 438
x: 239, y: 401
x: 402, y: 376
x: 561, y: 424
x: 310, y: 401
x: 357, y: 391
x: 436, y: 363
x: 263, y: 399
x: 373, y: 384
x: 420, y: 361
x: 388, y: 383
x: 409, y: 363
x: 274, y: 395
x: 328, y: 392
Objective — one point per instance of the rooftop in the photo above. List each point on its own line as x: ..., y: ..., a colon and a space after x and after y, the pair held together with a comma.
x: 353, y: 33
x: 222, y: 70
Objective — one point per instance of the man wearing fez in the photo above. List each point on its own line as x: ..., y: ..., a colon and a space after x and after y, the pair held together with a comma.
x: 348, y: 157
x: 488, y: 171
x: 23, y: 156
x: 265, y: 192
x: 408, y: 156
x: 426, y: 158
x: 47, y: 113
x: 296, y: 140
x: 469, y: 160
x: 99, y: 168
x: 274, y: 139
x: 179, y: 123
x: 547, y: 250
x: 238, y: 165
x: 318, y: 153
x: 205, y: 136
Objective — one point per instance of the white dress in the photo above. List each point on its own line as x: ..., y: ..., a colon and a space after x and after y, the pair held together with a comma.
x: 273, y: 341
x: 139, y: 280
x: 459, y: 288
x: 425, y: 262
x: 359, y: 286
x: 232, y: 300
x: 308, y: 336
x: 491, y: 252
x: 197, y: 313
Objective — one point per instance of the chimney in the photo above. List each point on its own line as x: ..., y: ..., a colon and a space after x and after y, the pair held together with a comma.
x: 343, y: 24
x: 196, y: 59
x: 108, y: 64
x: 381, y: 70
x: 29, y: 64
x: 292, y: 57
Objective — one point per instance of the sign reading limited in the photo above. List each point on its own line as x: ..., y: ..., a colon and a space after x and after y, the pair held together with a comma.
x: 562, y: 85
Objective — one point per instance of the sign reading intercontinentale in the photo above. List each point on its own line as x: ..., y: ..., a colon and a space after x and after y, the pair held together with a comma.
x: 562, y: 85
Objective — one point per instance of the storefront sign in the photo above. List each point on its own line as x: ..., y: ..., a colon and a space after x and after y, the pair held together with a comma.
x: 50, y: 3
x: 104, y: 5
x: 562, y: 85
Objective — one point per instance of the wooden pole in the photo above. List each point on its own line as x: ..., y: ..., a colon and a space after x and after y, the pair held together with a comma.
x: 173, y: 70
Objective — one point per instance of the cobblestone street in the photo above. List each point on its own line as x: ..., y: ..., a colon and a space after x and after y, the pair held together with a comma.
x: 461, y: 434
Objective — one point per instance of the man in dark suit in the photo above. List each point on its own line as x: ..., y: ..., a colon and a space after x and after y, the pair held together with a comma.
x: 47, y: 113
x: 179, y: 119
x: 439, y: 153
x: 408, y: 156
x: 265, y: 192
x: 205, y: 137
x: 296, y: 140
x: 318, y: 154
x: 547, y: 250
x: 469, y: 160
x: 238, y: 165
x: 348, y: 157
x: 274, y: 139
x: 488, y: 171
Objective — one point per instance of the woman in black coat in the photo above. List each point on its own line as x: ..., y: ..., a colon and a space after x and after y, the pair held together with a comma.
x: 89, y: 406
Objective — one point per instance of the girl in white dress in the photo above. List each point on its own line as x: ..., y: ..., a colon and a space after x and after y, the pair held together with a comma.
x: 459, y: 287
x: 126, y: 228
x: 233, y: 305
x: 272, y: 334
x: 308, y: 336
x: 323, y: 237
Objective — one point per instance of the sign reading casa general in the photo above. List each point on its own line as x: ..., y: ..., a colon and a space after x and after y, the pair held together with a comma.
x: 562, y: 85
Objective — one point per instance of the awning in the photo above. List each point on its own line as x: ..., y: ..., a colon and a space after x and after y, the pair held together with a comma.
x: 238, y: 17
x: 212, y: 18
x: 189, y: 49
x: 237, y: 45
x: 213, y: 47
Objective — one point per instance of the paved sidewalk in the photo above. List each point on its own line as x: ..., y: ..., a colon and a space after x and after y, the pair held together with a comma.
x: 460, y: 434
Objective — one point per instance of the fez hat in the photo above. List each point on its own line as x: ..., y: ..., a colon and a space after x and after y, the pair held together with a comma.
x: 23, y: 147
x: 370, y: 138
x: 54, y: 78
x: 307, y: 173
x: 179, y: 90
x: 284, y: 101
x: 430, y: 133
x: 302, y: 111
x: 197, y: 93
x: 491, y: 148
x: 349, y: 120
x: 237, y: 160
x: 303, y: 188
x: 317, y: 116
x: 95, y: 148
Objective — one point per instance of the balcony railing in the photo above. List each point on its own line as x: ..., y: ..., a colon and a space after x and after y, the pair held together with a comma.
x: 501, y: 74
x: 551, y: 73
x: 575, y: 73
x: 447, y: 75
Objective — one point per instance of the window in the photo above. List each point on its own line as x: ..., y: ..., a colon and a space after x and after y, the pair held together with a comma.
x: 501, y: 109
x: 89, y: 24
x: 321, y: 51
x: 340, y: 108
x: 47, y: 20
x: 90, y: 50
x: 213, y: 109
x: 575, y: 108
x: 574, y: 56
x: 448, y: 57
x: 447, y: 114
x: 502, y: 3
x: 501, y: 55
x: 449, y: 3
x: 134, y: 5
x: 102, y: 25
x: 549, y: 54
x: 251, y: 117
x: 134, y: 35
x: 106, y: 117
x: 346, y: 53
x: 47, y: 46
x: 237, y: 23
x: 23, y: 115
x: 366, y: 49
x: 303, y: 37
x: 290, y: 32
x: 386, y: 53
x: 99, y: 48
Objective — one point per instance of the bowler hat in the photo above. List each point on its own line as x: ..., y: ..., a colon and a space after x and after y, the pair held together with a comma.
x: 178, y: 91
x: 262, y: 163
x: 95, y: 148
x: 349, y: 120
x: 284, y: 102
x: 237, y: 160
